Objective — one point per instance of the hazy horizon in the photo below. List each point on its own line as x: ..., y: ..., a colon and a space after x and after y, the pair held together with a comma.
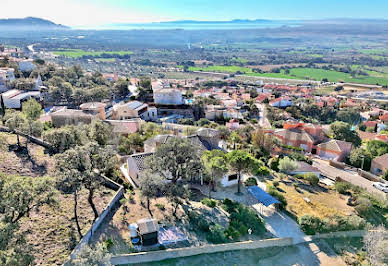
x: 95, y: 13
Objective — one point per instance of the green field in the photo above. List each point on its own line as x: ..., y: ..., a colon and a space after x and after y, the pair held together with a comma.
x: 77, y: 53
x: 303, y: 74
x: 332, y: 75
x: 374, y: 51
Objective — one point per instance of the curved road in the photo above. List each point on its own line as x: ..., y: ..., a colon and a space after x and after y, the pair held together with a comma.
x: 347, y: 175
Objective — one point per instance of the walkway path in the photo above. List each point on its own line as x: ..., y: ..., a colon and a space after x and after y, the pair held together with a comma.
x: 280, y: 224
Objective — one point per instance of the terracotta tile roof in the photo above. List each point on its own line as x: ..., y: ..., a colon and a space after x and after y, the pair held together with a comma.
x: 370, y: 123
x: 382, y: 160
x: 384, y: 117
x: 336, y: 145
x: 294, y: 135
x: 382, y: 138
x: 366, y: 135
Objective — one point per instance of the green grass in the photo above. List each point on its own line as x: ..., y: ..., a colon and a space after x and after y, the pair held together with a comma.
x: 331, y: 75
x: 376, y: 51
x: 239, y: 60
x: 304, y: 74
x: 77, y: 53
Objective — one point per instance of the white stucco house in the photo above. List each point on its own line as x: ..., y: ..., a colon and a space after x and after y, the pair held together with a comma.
x: 14, y: 98
x: 281, y: 102
x: 26, y: 65
x: 168, y: 96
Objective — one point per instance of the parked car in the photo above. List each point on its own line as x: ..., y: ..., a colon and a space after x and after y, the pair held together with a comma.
x: 381, y: 186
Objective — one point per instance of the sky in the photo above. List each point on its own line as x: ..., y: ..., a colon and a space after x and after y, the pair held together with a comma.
x: 90, y: 13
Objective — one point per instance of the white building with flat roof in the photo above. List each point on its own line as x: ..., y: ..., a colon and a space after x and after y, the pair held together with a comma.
x: 26, y: 65
x: 168, y: 96
x: 14, y: 98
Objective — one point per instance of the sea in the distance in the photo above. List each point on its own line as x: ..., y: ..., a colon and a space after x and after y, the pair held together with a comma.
x: 233, y: 25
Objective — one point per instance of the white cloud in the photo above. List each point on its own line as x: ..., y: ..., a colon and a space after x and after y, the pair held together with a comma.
x: 72, y: 12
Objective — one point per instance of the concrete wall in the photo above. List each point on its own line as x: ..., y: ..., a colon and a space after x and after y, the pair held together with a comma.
x: 355, y: 233
x: 85, y: 240
x: 35, y: 140
x: 145, y: 257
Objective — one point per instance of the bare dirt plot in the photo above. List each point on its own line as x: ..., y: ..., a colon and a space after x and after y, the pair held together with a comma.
x: 16, y: 161
x: 52, y: 232
x: 116, y: 227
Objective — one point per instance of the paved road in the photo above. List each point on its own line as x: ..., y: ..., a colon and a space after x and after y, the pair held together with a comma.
x: 263, y: 122
x: 347, y: 175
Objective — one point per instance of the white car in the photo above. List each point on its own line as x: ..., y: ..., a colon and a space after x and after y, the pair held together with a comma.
x: 381, y: 186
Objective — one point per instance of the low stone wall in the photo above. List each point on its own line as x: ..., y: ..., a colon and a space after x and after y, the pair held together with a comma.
x: 153, y: 256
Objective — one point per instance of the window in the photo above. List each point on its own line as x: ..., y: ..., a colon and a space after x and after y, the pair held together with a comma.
x: 232, y: 177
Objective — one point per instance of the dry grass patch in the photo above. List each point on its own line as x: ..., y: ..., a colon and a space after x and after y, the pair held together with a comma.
x: 323, y: 202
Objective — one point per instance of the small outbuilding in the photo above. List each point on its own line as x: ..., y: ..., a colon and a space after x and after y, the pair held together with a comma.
x: 148, y: 231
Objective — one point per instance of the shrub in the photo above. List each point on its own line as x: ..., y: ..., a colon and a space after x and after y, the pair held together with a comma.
x: 209, y: 202
x: 342, y: 187
x: 197, y: 221
x: 160, y: 206
x: 363, y: 206
x: 216, y: 234
x: 275, y: 183
x: 287, y: 165
x: 262, y: 171
x: 273, y: 163
x: 242, y: 218
x: 311, y: 178
x: 251, y: 181
x: 311, y: 224
x: 108, y: 244
x: 232, y: 233
x: 362, y: 127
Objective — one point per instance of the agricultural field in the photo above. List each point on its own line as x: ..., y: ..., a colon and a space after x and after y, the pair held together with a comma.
x: 105, y: 59
x: 77, y: 53
x: 304, y: 73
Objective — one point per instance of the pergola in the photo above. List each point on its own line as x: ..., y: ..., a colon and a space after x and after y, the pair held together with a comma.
x: 261, y: 196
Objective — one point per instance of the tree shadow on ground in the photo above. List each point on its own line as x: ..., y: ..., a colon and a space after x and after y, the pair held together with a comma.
x: 25, y: 157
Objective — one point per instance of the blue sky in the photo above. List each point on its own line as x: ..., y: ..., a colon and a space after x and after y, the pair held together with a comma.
x: 99, y: 12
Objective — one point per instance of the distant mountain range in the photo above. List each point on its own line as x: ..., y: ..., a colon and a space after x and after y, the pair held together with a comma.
x: 30, y: 23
